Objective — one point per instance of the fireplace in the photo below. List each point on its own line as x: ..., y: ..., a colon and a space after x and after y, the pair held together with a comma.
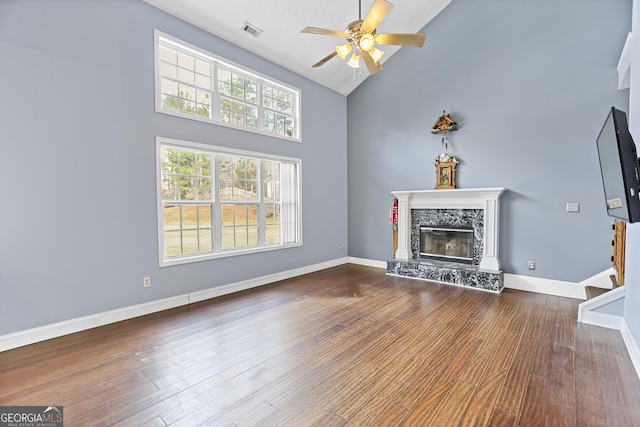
x: 447, y: 244
x: 463, y: 225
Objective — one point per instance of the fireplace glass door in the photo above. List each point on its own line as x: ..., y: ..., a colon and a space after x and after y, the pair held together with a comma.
x: 450, y: 244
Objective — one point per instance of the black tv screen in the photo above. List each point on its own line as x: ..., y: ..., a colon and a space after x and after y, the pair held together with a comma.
x: 619, y: 167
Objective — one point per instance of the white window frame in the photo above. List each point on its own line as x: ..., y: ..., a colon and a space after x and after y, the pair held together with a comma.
x: 219, y: 62
x: 291, y: 203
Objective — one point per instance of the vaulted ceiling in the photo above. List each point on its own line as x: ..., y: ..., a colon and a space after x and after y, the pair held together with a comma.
x: 281, y: 21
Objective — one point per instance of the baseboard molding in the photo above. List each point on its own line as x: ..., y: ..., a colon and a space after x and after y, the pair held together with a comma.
x: 368, y: 262
x: 544, y: 286
x: 632, y: 346
x: 603, y: 320
x: 31, y: 336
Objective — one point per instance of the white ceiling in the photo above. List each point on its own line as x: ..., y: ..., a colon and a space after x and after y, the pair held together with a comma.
x: 282, y: 20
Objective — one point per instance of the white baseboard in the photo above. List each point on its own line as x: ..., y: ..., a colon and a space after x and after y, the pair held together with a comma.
x: 544, y: 286
x: 42, y: 333
x: 368, y: 262
x: 632, y: 346
x: 603, y: 320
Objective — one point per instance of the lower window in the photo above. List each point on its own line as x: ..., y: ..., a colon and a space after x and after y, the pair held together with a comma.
x: 215, y: 202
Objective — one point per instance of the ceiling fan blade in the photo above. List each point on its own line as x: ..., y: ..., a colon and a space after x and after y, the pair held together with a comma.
x: 325, y: 59
x: 324, y: 32
x: 378, y: 12
x: 412, y: 40
x: 373, y: 67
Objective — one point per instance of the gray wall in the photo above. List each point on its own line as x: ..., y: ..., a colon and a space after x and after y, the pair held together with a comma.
x: 530, y: 84
x: 78, y: 228
x: 632, y: 266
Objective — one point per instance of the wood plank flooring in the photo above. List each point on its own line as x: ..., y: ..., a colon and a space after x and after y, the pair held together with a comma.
x: 346, y: 346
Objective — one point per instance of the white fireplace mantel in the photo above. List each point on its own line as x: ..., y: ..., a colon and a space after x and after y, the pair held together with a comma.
x: 486, y: 199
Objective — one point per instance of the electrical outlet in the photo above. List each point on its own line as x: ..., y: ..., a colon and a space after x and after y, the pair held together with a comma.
x: 532, y: 265
x: 573, y: 207
x: 146, y: 282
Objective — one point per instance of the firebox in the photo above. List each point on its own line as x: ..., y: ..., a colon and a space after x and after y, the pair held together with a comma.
x: 447, y: 244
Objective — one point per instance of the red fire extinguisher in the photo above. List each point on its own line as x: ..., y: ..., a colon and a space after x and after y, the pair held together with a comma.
x: 393, y: 216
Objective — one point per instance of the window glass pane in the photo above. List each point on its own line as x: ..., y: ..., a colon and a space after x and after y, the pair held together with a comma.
x: 205, y: 241
x: 203, y: 163
x: 204, y: 216
x: 168, y: 55
x: 224, y: 76
x: 189, y: 216
x: 168, y: 70
x: 240, y: 214
x: 204, y: 189
x: 169, y: 87
x: 203, y: 68
x: 186, y: 76
x: 169, y: 160
x: 171, y: 217
x: 252, y: 214
x: 186, y: 61
x: 252, y: 236
x: 187, y: 162
x: 187, y: 92
x: 189, y: 242
x: 241, y: 237
x: 228, y: 238
x: 187, y: 189
x: 172, y: 244
x: 227, y: 214
x: 203, y: 82
x: 226, y: 104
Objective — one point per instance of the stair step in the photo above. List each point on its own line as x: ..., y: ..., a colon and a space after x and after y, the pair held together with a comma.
x: 593, y: 292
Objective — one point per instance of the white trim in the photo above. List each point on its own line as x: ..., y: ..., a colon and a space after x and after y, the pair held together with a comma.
x: 368, y: 262
x: 586, y: 307
x: 42, y: 333
x: 624, y: 65
x: 544, y: 286
x: 604, y: 320
x: 632, y: 346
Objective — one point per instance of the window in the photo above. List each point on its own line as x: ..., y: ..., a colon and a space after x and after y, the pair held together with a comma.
x: 215, y: 202
x: 195, y: 84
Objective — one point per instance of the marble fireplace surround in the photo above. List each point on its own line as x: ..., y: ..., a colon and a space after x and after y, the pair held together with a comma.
x: 486, y: 272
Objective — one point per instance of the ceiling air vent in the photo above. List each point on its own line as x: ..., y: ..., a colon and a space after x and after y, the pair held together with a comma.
x: 251, y: 29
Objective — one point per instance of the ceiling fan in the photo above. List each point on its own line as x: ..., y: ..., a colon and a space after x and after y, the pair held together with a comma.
x: 361, y: 38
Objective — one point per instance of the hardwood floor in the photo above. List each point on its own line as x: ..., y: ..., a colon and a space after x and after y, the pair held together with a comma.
x: 347, y: 346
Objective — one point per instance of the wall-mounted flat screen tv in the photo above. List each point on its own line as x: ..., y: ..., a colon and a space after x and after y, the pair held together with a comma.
x: 619, y: 167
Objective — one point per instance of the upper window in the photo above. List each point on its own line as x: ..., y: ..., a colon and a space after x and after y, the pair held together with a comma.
x: 195, y: 84
x: 215, y: 202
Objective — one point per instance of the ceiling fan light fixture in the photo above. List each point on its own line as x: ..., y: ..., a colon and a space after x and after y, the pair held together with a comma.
x: 343, y: 50
x: 376, y: 54
x: 354, y: 61
x: 367, y: 41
